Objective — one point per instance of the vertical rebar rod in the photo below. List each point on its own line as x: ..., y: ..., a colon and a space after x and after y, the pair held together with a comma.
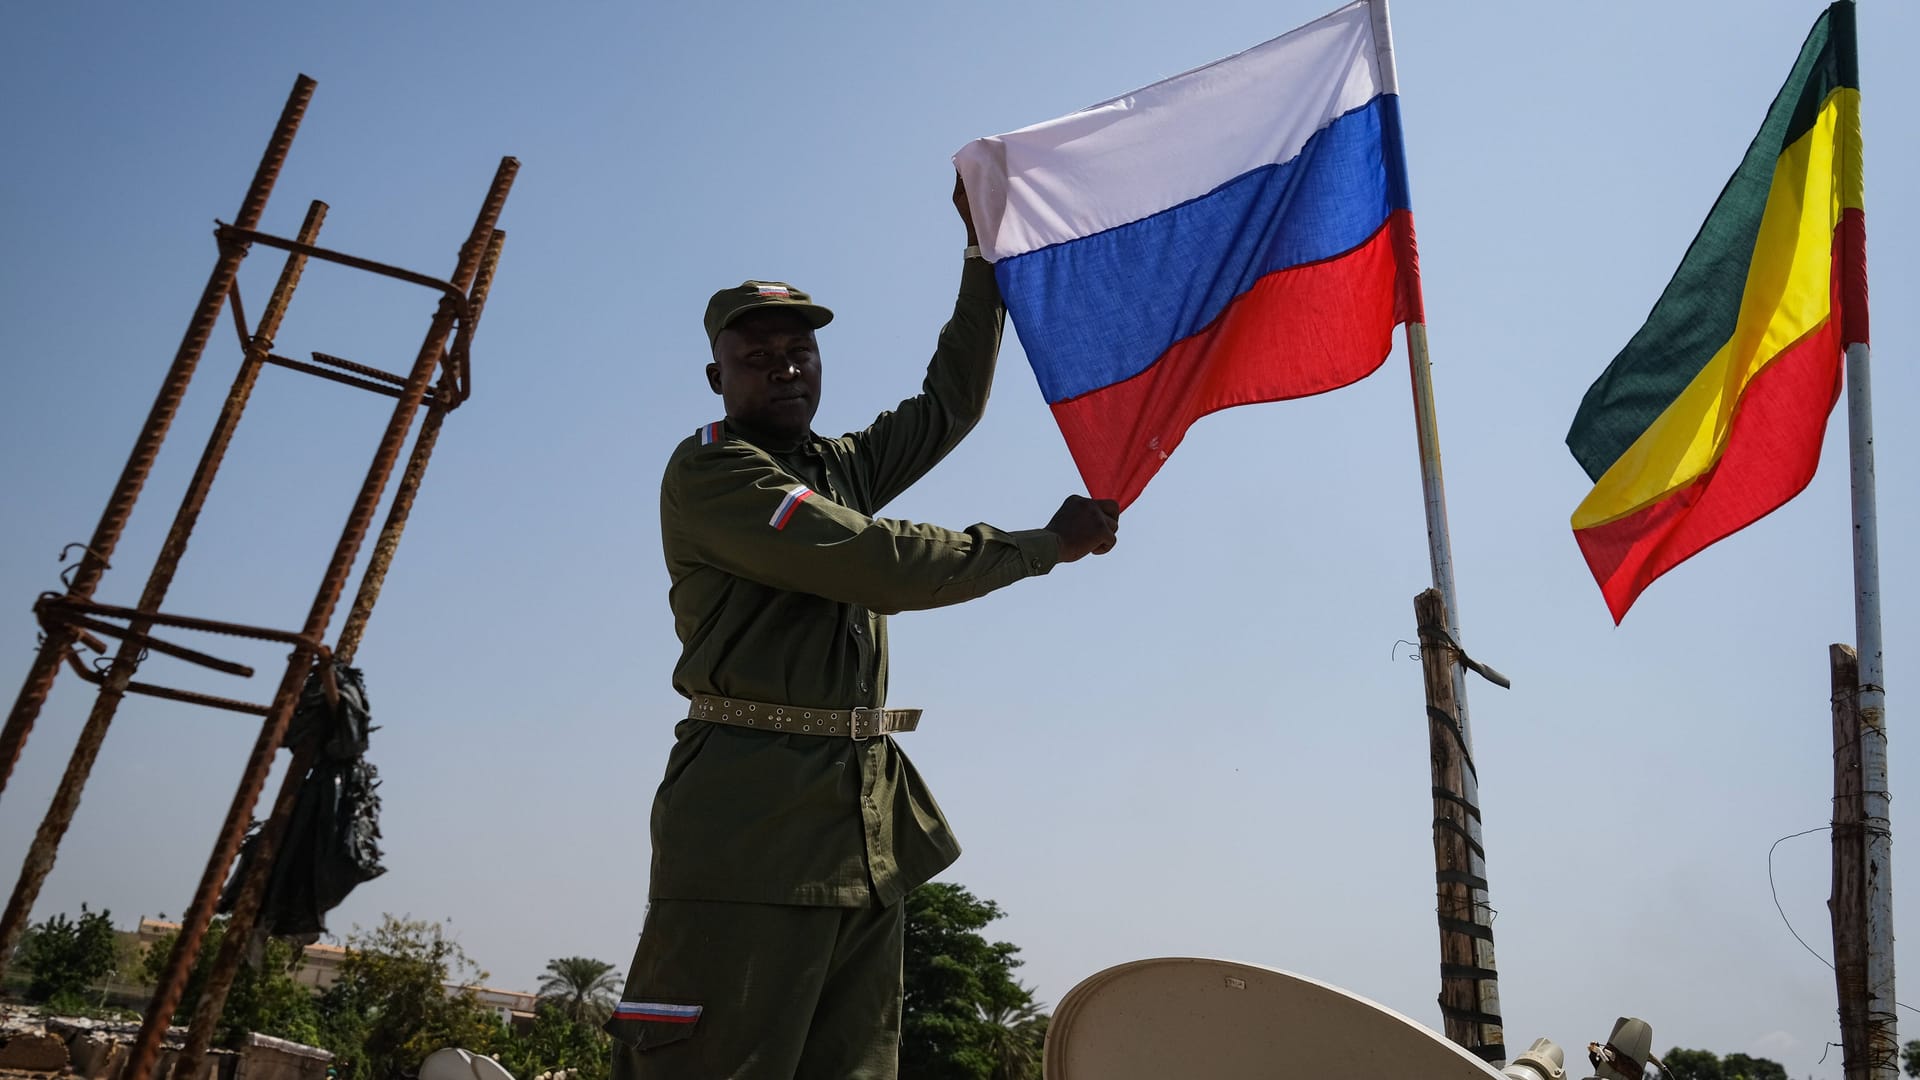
x: 146, y: 448
x: 66, y: 802
x: 243, y: 920
x: 259, y: 346
x: 388, y: 542
x: 193, y: 927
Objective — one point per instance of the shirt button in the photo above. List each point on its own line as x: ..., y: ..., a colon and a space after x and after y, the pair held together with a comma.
x: 858, y: 630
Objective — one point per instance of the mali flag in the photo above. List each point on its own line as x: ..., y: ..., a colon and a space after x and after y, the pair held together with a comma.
x: 1713, y: 414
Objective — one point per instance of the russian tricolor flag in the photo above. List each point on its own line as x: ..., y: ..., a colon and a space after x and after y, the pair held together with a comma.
x: 1236, y: 234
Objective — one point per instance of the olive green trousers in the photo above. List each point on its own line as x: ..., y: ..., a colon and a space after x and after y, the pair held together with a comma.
x: 735, y: 991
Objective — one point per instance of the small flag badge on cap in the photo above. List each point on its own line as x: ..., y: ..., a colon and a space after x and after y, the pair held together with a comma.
x: 729, y: 304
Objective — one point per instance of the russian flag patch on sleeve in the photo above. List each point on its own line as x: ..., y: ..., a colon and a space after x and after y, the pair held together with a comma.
x: 784, y: 512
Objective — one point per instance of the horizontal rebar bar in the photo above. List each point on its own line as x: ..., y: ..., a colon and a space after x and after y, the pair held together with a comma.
x: 167, y: 648
x: 238, y: 235
x: 191, y: 697
x: 375, y: 373
x: 54, y: 608
x: 291, y: 364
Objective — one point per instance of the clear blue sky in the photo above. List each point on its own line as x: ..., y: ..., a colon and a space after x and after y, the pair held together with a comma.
x: 1201, y: 744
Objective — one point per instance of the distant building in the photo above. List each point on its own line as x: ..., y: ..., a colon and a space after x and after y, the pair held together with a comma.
x: 319, y: 968
x: 513, y: 1007
x: 319, y: 965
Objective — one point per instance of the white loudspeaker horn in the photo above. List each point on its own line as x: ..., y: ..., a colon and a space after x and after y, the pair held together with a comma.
x: 1197, y: 1019
x: 455, y: 1064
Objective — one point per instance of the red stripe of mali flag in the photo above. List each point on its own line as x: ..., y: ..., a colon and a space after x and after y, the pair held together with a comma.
x: 1713, y: 414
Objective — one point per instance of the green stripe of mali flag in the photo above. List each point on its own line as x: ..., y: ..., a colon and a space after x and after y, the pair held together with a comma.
x: 1697, y: 312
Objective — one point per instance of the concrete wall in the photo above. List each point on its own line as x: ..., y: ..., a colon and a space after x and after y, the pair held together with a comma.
x: 97, y: 1050
x: 267, y: 1058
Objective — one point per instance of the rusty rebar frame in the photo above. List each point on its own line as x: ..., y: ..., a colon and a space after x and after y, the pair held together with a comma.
x: 242, y: 920
x: 74, y: 618
x: 113, y: 522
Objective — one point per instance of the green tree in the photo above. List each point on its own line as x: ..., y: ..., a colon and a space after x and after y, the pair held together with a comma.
x: 1742, y: 1067
x: 65, y: 957
x: 1693, y: 1064
x: 963, y: 1008
x: 265, y: 999
x: 1704, y: 1065
x: 582, y: 988
x: 555, y: 1041
x: 1016, y: 1035
x: 1910, y: 1057
x: 405, y: 990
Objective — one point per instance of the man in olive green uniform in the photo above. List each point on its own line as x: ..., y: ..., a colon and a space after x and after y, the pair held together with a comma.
x: 790, y: 825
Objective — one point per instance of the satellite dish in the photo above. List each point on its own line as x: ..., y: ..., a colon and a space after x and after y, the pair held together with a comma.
x: 455, y: 1064
x: 1218, y: 1020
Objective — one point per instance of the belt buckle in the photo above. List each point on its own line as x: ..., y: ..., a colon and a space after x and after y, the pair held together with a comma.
x: 879, y: 719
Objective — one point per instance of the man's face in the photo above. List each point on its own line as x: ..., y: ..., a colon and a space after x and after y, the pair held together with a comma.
x: 766, y: 368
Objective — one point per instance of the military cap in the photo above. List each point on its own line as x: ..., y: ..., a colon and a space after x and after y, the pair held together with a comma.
x: 729, y: 304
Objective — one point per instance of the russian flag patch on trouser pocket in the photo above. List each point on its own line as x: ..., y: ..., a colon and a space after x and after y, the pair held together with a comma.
x: 647, y: 1024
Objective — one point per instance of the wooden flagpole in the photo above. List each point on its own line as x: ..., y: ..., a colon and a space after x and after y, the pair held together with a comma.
x: 1883, y: 1041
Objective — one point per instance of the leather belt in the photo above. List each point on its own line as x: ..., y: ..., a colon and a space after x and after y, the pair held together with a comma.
x: 857, y: 723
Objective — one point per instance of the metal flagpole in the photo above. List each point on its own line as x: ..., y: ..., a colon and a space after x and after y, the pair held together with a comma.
x: 1882, y: 1034
x: 1477, y: 923
x: 1439, y: 547
x: 1434, y: 493
x: 1486, y: 1018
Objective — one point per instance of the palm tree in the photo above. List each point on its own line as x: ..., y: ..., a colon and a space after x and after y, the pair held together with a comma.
x: 1016, y: 1033
x: 581, y: 987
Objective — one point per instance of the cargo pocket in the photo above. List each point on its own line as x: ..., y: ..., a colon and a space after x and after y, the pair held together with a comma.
x: 644, y: 1025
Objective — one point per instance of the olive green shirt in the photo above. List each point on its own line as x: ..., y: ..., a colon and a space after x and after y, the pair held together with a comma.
x: 781, y: 582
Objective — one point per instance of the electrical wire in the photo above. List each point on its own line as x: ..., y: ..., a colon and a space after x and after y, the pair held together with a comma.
x: 1783, y: 911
